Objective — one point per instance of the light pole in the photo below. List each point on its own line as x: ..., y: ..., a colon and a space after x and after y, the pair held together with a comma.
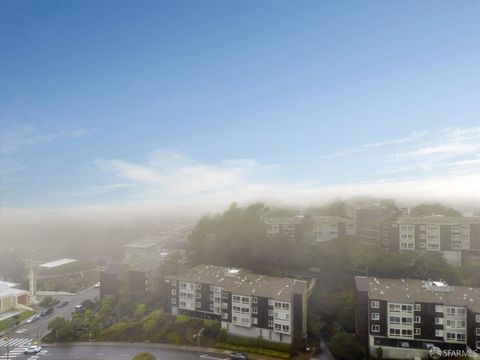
x: 197, y: 335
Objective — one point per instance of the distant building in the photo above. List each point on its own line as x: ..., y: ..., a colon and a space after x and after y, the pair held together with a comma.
x: 247, y: 304
x: 368, y: 219
x: 453, y: 237
x: 325, y: 228
x: 406, y: 318
x: 111, y: 278
x: 143, y: 247
x: 11, y: 299
x: 290, y: 227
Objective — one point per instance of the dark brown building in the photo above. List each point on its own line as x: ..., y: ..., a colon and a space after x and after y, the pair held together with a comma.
x: 407, y: 317
x: 455, y: 238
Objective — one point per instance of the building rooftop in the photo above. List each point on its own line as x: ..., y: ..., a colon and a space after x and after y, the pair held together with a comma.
x: 145, y: 242
x: 413, y: 290
x: 243, y: 282
x: 57, y: 263
x: 7, y: 289
x: 291, y: 220
x: 439, y: 220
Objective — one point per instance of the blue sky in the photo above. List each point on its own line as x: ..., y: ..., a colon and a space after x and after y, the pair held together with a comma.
x: 133, y: 103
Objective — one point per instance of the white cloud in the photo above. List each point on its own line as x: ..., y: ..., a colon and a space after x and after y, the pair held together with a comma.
x: 170, y: 173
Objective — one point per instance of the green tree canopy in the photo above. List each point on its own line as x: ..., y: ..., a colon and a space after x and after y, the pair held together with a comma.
x: 346, y: 347
x: 434, y: 209
x: 144, y: 356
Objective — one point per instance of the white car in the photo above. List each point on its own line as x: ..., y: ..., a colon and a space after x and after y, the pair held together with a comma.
x: 32, y: 319
x: 97, y: 285
x: 33, y: 349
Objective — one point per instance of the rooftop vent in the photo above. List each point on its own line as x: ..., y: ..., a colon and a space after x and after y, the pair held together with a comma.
x: 438, y: 286
x: 232, y: 272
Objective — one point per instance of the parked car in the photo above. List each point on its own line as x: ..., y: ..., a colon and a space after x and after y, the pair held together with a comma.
x: 78, y: 308
x: 238, y: 356
x: 62, y: 304
x: 46, y: 312
x: 33, y: 349
x: 32, y: 319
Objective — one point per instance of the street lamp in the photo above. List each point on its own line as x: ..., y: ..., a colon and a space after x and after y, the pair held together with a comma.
x: 197, y: 335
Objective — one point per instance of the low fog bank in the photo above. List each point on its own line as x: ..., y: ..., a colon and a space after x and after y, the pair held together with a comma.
x: 70, y: 231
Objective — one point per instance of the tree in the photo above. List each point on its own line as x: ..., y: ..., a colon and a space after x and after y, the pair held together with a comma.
x: 48, y: 301
x: 61, y: 329
x: 346, y: 347
x: 139, y: 311
x: 144, y: 356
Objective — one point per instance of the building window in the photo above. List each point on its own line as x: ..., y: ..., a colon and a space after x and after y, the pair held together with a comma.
x: 174, y: 300
x: 418, y: 307
x: 375, y: 328
x: 211, y: 307
x: 224, y: 295
x: 270, y: 323
x: 418, y: 320
x: 270, y: 312
x: 199, y: 286
x: 225, y: 305
x: 418, y: 331
x: 199, y: 295
x: 270, y: 302
x: 438, y: 333
x: 438, y: 321
x: 254, y: 310
x: 375, y: 316
x: 439, y: 308
x: 254, y: 299
x: 478, y: 318
x: 174, y: 282
x: 174, y: 291
x: 478, y: 345
x: 478, y: 331
x: 375, y: 304
x: 225, y: 316
x: 254, y: 321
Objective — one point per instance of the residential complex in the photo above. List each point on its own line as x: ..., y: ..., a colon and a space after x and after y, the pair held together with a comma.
x: 325, y: 228
x: 247, y: 304
x: 453, y: 237
x: 369, y: 217
x: 407, y: 317
x: 290, y: 227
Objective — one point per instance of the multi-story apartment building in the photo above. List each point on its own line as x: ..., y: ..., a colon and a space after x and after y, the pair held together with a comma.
x: 290, y: 227
x: 453, y: 237
x: 325, y: 228
x: 407, y: 317
x: 369, y: 217
x: 247, y: 304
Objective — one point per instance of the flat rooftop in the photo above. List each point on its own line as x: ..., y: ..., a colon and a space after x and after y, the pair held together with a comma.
x: 6, y: 289
x: 57, y: 263
x: 414, y: 290
x: 243, y: 282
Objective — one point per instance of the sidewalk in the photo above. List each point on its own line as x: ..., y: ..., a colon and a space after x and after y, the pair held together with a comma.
x: 163, y: 346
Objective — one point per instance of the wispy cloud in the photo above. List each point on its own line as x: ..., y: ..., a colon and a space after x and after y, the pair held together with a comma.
x: 16, y: 138
x: 171, y: 173
x: 410, y: 138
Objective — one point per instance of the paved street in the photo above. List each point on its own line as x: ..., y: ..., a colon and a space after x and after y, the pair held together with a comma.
x: 14, y: 344
x: 108, y: 352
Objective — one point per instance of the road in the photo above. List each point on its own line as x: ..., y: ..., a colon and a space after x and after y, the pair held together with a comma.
x: 15, y: 342
x: 119, y: 352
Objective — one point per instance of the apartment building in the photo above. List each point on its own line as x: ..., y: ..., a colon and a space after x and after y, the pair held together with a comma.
x: 455, y: 237
x: 369, y: 217
x: 290, y: 227
x: 247, y: 304
x: 325, y: 228
x: 407, y: 317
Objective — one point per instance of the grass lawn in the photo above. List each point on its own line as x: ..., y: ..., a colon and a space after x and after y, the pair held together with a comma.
x: 5, y: 324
